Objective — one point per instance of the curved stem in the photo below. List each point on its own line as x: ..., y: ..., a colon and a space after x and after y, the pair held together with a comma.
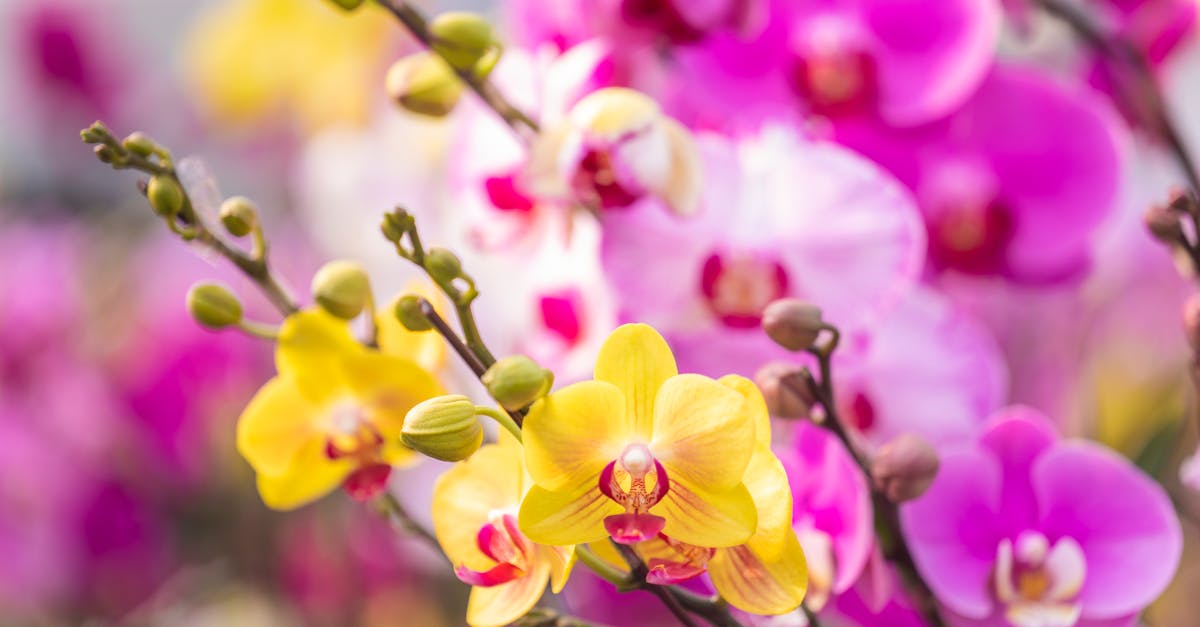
x: 503, y: 419
x: 603, y: 569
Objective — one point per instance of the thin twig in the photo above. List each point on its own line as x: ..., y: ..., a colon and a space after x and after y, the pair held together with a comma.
x: 522, y: 124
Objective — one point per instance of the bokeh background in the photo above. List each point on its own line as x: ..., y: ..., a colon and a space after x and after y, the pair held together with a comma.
x: 122, y: 500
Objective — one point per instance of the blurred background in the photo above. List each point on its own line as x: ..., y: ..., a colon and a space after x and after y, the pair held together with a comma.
x: 122, y: 499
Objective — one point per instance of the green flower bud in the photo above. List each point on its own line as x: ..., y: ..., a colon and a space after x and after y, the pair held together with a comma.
x: 517, y: 381
x: 442, y: 265
x: 423, y: 83
x: 213, y: 305
x: 408, y: 312
x: 462, y: 38
x: 392, y: 227
x: 341, y: 288
x: 239, y: 216
x: 165, y: 196
x: 139, y: 144
x: 792, y: 324
x: 104, y: 154
x: 94, y: 133
x: 443, y: 427
x: 348, y: 5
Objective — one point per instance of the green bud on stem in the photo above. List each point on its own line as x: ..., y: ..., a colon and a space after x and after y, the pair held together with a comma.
x: 165, y: 196
x: 462, y: 38
x: 213, y: 305
x: 423, y: 83
x: 517, y: 381
x: 443, y: 427
x: 341, y: 288
x: 239, y: 216
x: 442, y: 265
x: 139, y: 144
x: 408, y: 312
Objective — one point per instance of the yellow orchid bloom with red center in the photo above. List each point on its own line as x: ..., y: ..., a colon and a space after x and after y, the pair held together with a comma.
x: 332, y: 416
x: 640, y: 450
x: 766, y: 575
x: 475, y: 519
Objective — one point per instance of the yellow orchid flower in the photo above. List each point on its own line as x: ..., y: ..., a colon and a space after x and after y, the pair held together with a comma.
x: 249, y: 60
x: 474, y: 517
x: 640, y: 450
x: 766, y: 575
x: 332, y: 416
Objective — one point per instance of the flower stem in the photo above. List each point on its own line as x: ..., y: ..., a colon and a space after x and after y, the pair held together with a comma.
x: 502, y: 418
x: 603, y: 569
x: 521, y: 124
x: 887, y: 515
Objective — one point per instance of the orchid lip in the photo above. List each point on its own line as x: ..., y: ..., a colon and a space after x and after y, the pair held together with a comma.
x: 501, y: 541
x: 634, y: 465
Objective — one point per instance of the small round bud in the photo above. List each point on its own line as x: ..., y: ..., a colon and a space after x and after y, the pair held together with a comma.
x: 423, y: 83
x: 213, y: 305
x: 1191, y: 321
x: 348, y: 5
x: 517, y: 381
x: 792, y: 324
x: 462, y: 38
x: 104, y: 154
x: 904, y: 468
x: 139, y: 144
x: 239, y: 216
x: 391, y: 227
x: 408, y: 312
x: 785, y: 388
x: 1164, y: 224
x: 165, y: 196
x: 443, y: 427
x: 341, y: 288
x: 442, y: 265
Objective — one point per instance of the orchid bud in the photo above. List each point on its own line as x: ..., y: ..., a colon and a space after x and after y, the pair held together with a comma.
x: 213, y: 305
x: 904, y: 468
x: 1164, y: 224
x: 792, y: 324
x: 165, y: 196
x: 408, y: 312
x: 341, y: 288
x: 94, y: 134
x: 392, y: 227
x: 443, y: 266
x: 139, y: 144
x: 348, y: 5
x: 239, y: 216
x: 462, y: 38
x: 423, y: 83
x: 785, y: 388
x: 105, y: 154
x: 1191, y: 321
x: 443, y: 427
x: 517, y: 381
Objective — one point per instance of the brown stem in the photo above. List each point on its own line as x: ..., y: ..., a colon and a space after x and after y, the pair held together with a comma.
x: 416, y: 24
x: 887, y: 515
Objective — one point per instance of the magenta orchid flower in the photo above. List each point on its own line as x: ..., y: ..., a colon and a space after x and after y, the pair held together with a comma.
x: 1016, y: 182
x: 1022, y: 529
x: 780, y: 216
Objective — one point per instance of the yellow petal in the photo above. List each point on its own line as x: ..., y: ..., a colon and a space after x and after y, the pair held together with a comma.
x: 505, y: 603
x: 706, y: 518
x: 701, y: 432
x: 759, y: 586
x: 637, y: 360
x: 311, y: 476
x: 387, y: 387
x: 276, y: 424
x: 561, y: 560
x: 311, y: 350
x: 466, y: 494
x: 574, y: 433
x: 572, y: 516
x: 756, y: 406
x: 427, y: 348
x: 768, y: 484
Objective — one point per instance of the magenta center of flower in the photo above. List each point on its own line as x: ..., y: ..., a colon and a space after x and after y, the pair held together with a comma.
x: 971, y: 237
x: 1039, y: 582
x: 352, y: 436
x: 597, y: 181
x: 636, y: 481
x: 502, y: 542
x: 661, y: 16
x: 738, y: 287
x: 834, y: 71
